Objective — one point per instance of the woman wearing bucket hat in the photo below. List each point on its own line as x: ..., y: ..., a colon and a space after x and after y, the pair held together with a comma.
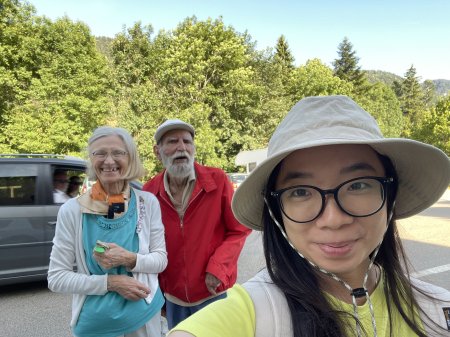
x: 327, y: 198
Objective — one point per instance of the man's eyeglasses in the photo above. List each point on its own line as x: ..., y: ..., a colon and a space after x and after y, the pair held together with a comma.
x: 116, y: 154
x: 358, y: 197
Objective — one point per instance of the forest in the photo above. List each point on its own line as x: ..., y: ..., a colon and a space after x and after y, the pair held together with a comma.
x: 58, y: 82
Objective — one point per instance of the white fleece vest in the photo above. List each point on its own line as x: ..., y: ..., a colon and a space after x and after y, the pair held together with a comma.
x: 273, y: 318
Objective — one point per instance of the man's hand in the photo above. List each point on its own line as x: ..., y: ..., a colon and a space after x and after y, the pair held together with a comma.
x: 127, y: 287
x: 212, y: 283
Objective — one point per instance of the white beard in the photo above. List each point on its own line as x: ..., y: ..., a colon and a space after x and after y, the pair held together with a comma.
x: 178, y: 170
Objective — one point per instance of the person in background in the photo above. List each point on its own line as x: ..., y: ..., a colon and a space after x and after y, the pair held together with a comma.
x: 60, y: 184
x: 327, y: 199
x: 203, y: 237
x: 114, y: 235
x: 73, y: 189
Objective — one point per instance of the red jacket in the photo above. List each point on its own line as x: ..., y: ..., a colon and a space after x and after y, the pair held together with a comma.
x: 209, y: 239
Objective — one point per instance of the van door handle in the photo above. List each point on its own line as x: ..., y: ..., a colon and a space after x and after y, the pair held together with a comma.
x: 52, y: 223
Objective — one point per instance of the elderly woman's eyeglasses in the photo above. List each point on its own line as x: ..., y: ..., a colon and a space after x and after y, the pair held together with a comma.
x: 358, y: 197
x: 116, y: 154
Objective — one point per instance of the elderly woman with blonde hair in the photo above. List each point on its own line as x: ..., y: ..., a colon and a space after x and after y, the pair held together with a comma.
x: 114, y: 236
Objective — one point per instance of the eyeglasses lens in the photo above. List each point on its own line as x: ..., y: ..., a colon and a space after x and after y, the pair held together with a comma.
x: 358, y: 197
x: 114, y: 154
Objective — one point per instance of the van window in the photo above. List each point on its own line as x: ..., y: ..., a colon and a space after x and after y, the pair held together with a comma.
x: 17, y: 190
x: 17, y: 184
x: 67, y: 183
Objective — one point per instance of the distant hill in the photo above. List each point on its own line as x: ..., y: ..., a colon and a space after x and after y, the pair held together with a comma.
x: 442, y: 86
x: 385, y: 77
x: 373, y: 76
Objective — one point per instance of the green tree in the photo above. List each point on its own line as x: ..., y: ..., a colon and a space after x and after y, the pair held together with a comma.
x: 202, y: 72
x: 316, y: 79
x: 412, y: 101
x: 68, y: 96
x: 397, y: 88
x: 346, y: 66
x: 382, y: 103
x: 283, y: 61
x: 435, y: 128
x: 429, y: 93
x: 283, y: 53
x: 56, y: 86
x: 139, y: 99
x: 18, y: 49
x: 209, y: 64
x: 274, y: 99
x: 132, y: 55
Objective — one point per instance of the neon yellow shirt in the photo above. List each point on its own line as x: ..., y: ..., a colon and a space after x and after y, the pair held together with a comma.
x: 235, y: 316
x: 400, y: 327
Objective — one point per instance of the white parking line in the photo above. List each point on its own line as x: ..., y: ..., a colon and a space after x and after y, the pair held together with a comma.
x: 431, y: 271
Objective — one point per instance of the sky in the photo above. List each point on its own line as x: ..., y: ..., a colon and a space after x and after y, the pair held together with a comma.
x: 388, y: 35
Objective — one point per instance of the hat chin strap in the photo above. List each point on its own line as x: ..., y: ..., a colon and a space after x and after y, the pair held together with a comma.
x: 357, y: 292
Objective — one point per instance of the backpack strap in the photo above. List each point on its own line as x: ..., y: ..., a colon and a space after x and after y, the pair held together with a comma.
x: 273, y: 317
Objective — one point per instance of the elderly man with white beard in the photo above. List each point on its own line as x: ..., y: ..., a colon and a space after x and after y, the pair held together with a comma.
x: 203, y: 238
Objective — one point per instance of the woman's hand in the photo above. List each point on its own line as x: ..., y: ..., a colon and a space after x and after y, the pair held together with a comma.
x: 115, y: 256
x: 127, y: 287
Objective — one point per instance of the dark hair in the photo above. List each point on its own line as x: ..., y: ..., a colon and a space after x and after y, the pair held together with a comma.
x: 311, y: 313
x: 74, y: 185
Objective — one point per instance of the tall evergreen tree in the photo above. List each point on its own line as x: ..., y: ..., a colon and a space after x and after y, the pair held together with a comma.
x: 283, y: 63
x: 412, y: 101
x: 346, y: 66
x: 397, y: 88
x: 283, y: 54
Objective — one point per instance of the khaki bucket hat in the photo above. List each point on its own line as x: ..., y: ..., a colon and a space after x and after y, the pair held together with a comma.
x: 423, y: 170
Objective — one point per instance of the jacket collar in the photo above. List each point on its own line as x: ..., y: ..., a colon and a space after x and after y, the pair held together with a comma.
x: 204, y: 178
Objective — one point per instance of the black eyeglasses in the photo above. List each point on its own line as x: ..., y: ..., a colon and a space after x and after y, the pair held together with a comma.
x: 358, y: 197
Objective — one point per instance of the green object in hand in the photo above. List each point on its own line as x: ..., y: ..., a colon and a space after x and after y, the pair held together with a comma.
x: 99, y: 249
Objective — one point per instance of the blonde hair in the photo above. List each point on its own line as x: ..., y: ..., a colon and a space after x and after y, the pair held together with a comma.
x: 135, y: 169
